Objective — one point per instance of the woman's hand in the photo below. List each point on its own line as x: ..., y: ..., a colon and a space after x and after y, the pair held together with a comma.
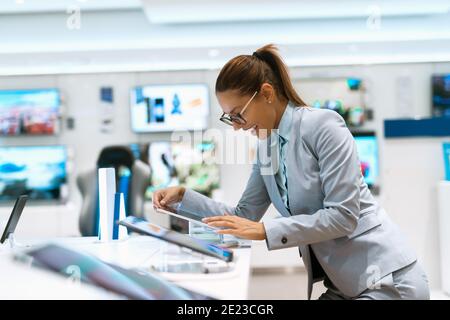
x: 163, y: 198
x: 237, y: 226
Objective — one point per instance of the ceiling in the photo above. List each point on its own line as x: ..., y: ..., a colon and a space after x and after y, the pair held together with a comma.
x: 46, y: 6
x: 207, y: 11
x: 168, y: 34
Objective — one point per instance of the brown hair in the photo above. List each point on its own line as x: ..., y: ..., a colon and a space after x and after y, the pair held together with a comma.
x: 246, y: 73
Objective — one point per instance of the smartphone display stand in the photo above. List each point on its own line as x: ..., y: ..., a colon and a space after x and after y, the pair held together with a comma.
x: 175, y: 259
x: 13, y: 244
x: 206, y: 234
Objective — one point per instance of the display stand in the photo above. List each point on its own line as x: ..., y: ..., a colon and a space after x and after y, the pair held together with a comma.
x: 209, y: 235
x: 12, y: 244
x: 176, y: 259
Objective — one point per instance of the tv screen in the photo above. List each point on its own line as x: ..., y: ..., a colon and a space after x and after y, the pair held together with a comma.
x: 29, y: 112
x: 38, y: 171
x: 366, y: 144
x: 441, y: 95
x: 169, y: 108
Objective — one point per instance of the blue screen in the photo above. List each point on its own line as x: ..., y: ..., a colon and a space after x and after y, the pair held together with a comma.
x: 37, y: 171
x: 368, y: 157
x: 29, y: 112
x: 441, y: 95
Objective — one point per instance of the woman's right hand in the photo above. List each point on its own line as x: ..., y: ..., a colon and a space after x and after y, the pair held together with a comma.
x: 163, y: 198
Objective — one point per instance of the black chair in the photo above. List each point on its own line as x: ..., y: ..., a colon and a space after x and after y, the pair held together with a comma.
x: 132, y: 178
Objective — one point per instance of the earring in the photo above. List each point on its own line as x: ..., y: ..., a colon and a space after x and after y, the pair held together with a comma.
x: 270, y: 101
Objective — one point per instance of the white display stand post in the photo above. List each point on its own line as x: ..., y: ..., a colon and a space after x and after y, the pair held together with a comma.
x: 107, y: 190
x: 444, y: 230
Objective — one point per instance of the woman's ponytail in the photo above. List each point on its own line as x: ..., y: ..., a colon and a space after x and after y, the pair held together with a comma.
x: 247, y: 73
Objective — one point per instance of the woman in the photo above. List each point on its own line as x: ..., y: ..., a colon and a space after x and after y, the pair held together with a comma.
x: 344, y: 237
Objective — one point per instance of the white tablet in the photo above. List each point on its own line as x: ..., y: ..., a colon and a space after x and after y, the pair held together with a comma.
x: 185, y: 215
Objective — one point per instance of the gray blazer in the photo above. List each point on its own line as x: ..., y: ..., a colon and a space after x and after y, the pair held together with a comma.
x: 337, y: 225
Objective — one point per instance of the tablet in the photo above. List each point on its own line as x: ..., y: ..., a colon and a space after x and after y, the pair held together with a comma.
x: 14, y: 217
x: 187, y: 215
x: 144, y: 227
x: 129, y: 283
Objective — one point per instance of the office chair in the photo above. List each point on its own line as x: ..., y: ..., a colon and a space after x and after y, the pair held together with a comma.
x: 132, y: 178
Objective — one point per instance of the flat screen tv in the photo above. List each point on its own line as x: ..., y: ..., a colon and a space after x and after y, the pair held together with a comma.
x: 441, y: 95
x: 367, y: 146
x: 169, y: 108
x: 29, y: 112
x: 36, y: 171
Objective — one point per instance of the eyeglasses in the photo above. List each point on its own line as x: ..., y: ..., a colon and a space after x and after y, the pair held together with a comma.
x: 231, y: 118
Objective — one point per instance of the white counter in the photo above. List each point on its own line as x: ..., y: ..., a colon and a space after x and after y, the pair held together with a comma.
x: 21, y: 282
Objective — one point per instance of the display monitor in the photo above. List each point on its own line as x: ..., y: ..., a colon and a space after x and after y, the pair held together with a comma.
x: 441, y: 95
x: 169, y: 107
x: 29, y: 112
x: 36, y: 171
x: 367, y: 146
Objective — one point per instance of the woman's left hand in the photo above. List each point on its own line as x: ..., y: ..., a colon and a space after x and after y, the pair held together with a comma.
x: 237, y: 226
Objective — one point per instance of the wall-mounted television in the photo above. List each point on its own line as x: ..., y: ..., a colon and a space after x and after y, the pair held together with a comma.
x: 169, y: 107
x: 37, y: 171
x: 367, y: 146
x: 441, y: 95
x: 29, y: 112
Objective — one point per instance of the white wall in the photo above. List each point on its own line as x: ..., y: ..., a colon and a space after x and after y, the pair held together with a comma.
x: 410, y: 168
